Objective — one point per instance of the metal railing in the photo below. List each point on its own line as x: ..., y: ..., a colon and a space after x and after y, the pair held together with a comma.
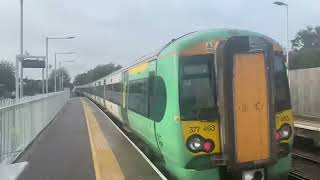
x: 6, y: 101
x: 23, y: 119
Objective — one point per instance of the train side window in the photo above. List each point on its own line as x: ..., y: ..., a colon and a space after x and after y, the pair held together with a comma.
x: 281, y: 85
x: 138, y: 96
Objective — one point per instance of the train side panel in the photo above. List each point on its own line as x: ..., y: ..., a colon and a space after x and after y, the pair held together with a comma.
x: 138, y: 100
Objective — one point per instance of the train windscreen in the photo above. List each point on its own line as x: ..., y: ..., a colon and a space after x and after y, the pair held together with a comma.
x: 282, y: 95
x: 197, y: 88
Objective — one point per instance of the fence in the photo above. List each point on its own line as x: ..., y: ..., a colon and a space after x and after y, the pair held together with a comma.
x: 305, y: 91
x: 22, y: 120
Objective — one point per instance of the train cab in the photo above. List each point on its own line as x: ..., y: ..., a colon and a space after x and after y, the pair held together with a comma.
x: 235, y: 105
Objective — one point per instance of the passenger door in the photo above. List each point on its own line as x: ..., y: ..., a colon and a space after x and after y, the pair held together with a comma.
x: 245, y: 96
x: 250, y: 106
x: 124, y: 99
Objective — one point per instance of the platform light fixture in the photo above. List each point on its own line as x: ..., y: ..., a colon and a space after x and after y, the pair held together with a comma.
x: 47, y: 56
x: 279, y: 3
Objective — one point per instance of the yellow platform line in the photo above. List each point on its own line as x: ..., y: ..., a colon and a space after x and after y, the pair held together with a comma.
x: 105, y: 163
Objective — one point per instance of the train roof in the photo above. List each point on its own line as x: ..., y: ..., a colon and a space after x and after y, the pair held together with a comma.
x: 200, y: 36
x: 186, y: 40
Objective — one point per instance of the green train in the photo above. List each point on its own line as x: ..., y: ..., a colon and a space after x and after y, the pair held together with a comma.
x: 211, y: 104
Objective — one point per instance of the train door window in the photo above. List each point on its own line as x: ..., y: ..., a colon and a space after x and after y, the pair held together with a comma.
x: 95, y: 89
x: 104, y: 88
x: 108, y: 92
x: 98, y: 93
x: 111, y: 92
x: 138, y: 96
x: 116, y: 95
x: 197, y: 88
x: 151, y: 84
x: 101, y: 93
x: 281, y: 85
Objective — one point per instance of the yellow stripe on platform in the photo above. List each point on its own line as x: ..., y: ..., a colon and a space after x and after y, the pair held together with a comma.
x: 105, y: 163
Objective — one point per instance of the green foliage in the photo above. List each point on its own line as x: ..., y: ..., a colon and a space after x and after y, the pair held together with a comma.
x: 66, y: 79
x: 306, y: 47
x: 307, y: 38
x: 96, y: 73
x: 32, y: 87
x: 305, y: 58
x: 7, y: 79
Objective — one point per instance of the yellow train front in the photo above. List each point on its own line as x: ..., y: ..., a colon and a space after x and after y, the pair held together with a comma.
x: 210, y: 105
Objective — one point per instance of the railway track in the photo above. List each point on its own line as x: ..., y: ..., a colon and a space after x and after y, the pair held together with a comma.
x: 311, y: 157
x: 306, y: 165
x: 295, y: 175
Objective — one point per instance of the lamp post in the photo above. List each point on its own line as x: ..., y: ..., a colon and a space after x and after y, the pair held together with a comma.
x: 21, y: 53
x: 287, y: 24
x: 47, y: 57
x: 21, y: 27
x: 55, y: 68
x: 62, y: 75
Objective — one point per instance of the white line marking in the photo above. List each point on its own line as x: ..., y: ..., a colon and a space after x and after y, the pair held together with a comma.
x: 306, y: 127
x: 141, y: 153
x: 305, y: 115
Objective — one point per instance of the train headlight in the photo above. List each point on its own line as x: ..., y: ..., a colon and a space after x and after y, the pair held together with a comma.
x: 284, y: 132
x: 196, y: 143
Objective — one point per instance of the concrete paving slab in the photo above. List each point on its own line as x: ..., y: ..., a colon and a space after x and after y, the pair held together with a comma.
x: 12, y: 171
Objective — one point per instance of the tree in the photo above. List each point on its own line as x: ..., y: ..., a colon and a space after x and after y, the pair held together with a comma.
x: 66, y: 79
x: 306, y: 45
x: 305, y: 58
x: 307, y: 38
x: 32, y: 87
x: 96, y: 73
x: 7, y: 78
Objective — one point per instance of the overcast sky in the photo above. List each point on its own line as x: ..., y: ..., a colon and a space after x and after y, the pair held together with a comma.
x: 121, y: 30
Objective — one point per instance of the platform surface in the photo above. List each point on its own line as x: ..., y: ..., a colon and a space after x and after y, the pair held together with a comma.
x: 83, y: 144
x: 305, y: 122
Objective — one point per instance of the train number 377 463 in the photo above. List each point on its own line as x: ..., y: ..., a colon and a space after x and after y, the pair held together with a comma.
x: 196, y: 129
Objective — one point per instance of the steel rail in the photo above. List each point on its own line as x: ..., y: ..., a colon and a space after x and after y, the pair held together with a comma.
x: 298, y: 176
x: 307, y: 157
x: 303, y: 155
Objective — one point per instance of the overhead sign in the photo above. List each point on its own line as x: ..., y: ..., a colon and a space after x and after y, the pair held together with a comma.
x: 33, y: 64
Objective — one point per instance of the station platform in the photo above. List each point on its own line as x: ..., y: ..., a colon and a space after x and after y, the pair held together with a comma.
x: 307, y: 122
x: 82, y: 143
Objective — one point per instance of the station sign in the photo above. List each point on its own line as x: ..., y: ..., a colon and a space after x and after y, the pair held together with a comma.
x: 33, y: 64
